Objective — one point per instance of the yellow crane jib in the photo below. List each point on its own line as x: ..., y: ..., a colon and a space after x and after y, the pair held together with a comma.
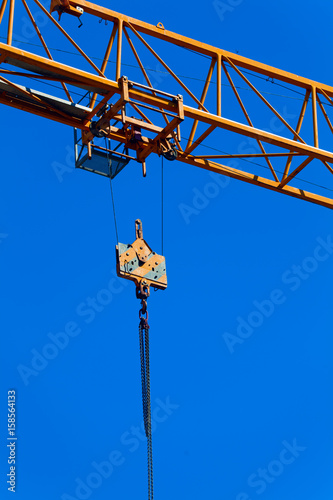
x: 137, y: 262
x: 147, y: 121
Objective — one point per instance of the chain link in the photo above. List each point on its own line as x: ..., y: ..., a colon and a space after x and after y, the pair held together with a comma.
x: 146, y: 403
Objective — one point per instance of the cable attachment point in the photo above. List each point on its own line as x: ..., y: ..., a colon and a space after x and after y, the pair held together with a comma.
x: 142, y: 293
x: 138, y: 229
x: 170, y: 154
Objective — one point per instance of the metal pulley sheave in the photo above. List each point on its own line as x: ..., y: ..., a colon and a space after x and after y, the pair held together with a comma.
x: 171, y: 154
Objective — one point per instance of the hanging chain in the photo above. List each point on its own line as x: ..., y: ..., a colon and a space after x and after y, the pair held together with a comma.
x: 143, y: 293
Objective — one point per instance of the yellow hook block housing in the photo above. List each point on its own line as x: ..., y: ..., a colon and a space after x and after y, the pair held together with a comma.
x: 137, y: 262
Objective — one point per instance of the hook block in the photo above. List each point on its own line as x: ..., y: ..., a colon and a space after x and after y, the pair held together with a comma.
x: 137, y: 262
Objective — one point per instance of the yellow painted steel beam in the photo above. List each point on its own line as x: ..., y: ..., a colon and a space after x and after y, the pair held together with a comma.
x: 328, y: 121
x: 77, y: 77
x: 105, y: 60
x: 258, y: 181
x: 2, y: 9
x: 219, y: 85
x: 41, y: 38
x: 315, y: 118
x: 297, y: 170
x: 10, y: 22
x: 298, y: 129
x: 83, y: 54
x: 202, y: 100
x: 100, y: 84
x: 248, y: 119
x: 255, y: 133
x: 201, y: 48
x: 119, y: 136
x: 119, y: 49
x: 82, y: 78
x: 40, y: 111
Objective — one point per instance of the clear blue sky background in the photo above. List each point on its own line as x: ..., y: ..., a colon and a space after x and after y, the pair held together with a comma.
x: 234, y: 421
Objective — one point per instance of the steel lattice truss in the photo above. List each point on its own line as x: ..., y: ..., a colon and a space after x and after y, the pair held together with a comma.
x: 148, y: 120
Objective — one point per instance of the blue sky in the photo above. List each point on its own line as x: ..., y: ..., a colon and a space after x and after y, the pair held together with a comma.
x: 241, y: 343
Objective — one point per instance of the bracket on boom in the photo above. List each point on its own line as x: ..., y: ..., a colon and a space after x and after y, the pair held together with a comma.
x: 62, y: 6
x: 141, y: 134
